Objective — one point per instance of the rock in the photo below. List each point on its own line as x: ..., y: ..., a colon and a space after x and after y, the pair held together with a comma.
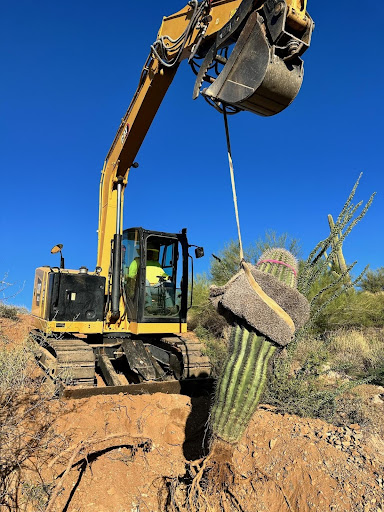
x: 272, y: 443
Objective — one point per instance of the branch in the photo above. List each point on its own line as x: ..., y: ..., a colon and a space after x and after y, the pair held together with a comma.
x: 76, y: 449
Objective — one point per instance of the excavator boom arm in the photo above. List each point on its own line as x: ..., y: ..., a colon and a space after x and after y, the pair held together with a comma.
x: 153, y: 85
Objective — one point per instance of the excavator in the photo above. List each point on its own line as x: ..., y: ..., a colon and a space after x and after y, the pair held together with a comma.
x: 112, y: 330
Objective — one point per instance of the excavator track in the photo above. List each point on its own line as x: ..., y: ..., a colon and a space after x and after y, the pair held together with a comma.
x: 69, y: 361
x: 70, y: 364
x: 195, y: 363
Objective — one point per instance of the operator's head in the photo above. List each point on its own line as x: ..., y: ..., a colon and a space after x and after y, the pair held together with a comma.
x: 153, y: 251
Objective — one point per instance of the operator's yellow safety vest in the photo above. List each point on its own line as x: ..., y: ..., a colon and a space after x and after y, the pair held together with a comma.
x: 153, y: 271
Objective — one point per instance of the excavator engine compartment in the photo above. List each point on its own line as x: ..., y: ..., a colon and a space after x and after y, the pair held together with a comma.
x: 75, y: 296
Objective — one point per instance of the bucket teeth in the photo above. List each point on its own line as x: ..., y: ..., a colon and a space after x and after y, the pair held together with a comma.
x: 224, y: 37
x: 208, y: 61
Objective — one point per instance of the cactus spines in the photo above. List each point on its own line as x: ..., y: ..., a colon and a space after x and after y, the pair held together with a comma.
x: 243, y: 379
x: 244, y: 373
x: 281, y: 264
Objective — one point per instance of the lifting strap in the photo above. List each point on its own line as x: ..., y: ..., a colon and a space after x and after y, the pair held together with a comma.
x: 256, y: 287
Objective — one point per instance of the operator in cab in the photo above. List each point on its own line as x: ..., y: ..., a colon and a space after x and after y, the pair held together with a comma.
x: 157, y: 281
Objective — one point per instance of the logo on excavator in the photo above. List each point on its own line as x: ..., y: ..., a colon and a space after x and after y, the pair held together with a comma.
x: 125, y: 133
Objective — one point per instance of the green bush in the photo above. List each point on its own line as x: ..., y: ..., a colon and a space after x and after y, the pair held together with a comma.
x: 10, y: 312
x: 203, y: 315
x: 352, y: 310
x: 373, y: 281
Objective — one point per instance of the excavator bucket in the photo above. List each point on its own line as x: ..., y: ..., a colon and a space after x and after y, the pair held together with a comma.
x: 264, y: 71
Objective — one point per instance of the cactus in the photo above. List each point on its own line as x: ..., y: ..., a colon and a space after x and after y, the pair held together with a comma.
x: 338, y: 264
x: 281, y: 264
x: 239, y: 389
x: 244, y: 374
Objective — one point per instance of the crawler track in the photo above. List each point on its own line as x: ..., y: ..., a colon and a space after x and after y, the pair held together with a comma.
x: 70, y: 361
x: 195, y: 363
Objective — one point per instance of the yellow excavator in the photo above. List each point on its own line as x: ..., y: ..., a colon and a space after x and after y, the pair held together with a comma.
x: 112, y: 330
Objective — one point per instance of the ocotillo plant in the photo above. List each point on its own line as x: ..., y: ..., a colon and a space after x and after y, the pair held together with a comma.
x: 243, y: 377
x: 338, y: 264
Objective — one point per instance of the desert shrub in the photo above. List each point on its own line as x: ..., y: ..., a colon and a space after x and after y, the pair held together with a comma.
x: 203, y: 315
x: 352, y: 310
x: 27, y: 438
x: 373, y: 281
x: 358, y: 352
x: 16, y: 366
x: 295, y: 386
x: 317, y: 376
x: 7, y: 311
x: 351, y: 408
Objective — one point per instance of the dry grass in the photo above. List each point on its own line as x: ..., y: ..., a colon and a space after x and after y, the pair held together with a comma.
x: 357, y: 351
x: 27, y: 437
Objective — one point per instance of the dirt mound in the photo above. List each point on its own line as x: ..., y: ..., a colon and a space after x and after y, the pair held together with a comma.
x: 15, y: 332
x: 301, y: 464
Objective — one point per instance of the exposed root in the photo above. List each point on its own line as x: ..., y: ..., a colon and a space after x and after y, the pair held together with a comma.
x: 83, y: 448
x: 213, y: 484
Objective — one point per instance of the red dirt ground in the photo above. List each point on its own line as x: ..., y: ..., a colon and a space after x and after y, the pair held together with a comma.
x: 308, y: 465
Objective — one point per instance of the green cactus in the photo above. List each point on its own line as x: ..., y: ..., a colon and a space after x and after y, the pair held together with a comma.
x: 338, y: 264
x: 286, y: 271
x: 244, y: 373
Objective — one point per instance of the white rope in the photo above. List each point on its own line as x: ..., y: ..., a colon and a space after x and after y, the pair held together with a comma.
x: 232, y: 173
x: 256, y: 287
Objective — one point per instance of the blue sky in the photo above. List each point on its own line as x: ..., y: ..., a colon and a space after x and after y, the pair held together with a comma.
x: 69, y: 70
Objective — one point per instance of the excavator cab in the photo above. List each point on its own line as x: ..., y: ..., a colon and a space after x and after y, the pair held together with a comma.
x: 155, y: 276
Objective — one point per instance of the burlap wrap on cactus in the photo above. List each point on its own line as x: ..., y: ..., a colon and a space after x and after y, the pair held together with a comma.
x: 239, y: 299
